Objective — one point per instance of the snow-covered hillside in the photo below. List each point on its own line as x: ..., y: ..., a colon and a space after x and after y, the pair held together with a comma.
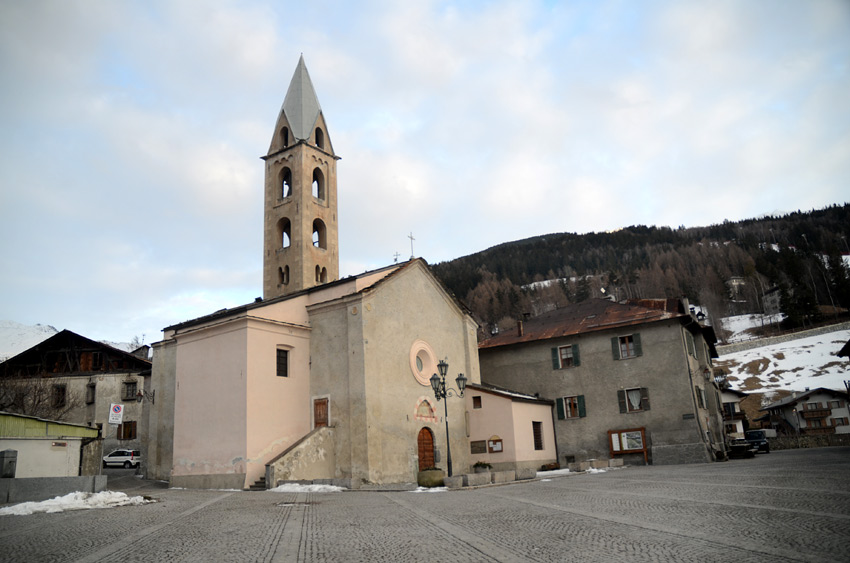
x: 740, y: 327
x: 791, y: 366
x: 15, y: 337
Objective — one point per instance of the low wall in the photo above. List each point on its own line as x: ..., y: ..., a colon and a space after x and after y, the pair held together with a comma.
x: 310, y: 458
x: 758, y: 343
x: 817, y: 441
x: 29, y: 489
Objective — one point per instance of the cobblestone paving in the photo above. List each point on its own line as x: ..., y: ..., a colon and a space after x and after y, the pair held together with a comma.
x: 791, y: 505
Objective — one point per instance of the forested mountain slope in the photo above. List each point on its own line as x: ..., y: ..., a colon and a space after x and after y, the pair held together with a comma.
x: 800, y: 253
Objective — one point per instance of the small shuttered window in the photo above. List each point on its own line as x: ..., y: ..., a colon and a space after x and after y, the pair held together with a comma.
x: 570, y: 407
x: 633, y: 400
x: 565, y: 357
x: 625, y: 347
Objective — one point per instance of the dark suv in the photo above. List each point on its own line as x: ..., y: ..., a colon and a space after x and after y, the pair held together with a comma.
x: 759, y: 439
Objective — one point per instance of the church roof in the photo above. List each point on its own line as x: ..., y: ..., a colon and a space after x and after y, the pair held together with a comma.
x: 301, y: 106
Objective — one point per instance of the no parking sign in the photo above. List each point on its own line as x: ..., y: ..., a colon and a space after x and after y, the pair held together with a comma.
x: 116, y: 413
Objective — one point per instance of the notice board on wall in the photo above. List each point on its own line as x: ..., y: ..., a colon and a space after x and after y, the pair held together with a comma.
x: 628, y: 441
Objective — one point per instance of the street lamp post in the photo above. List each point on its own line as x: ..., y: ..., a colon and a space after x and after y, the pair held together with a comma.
x: 438, y: 384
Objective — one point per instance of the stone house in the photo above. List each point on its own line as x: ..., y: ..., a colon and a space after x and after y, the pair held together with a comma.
x: 812, y: 412
x: 509, y: 430
x: 631, y: 380
x: 322, y: 378
x: 80, y: 379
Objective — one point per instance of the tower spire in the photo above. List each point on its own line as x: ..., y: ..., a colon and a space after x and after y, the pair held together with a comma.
x: 301, y: 105
x: 301, y: 247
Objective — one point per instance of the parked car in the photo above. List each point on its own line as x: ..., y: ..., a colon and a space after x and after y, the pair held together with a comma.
x: 740, y: 447
x: 759, y: 439
x: 127, y: 458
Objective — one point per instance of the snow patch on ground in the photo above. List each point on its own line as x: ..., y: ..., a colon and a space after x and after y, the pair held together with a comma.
x: 806, y: 362
x: 740, y: 325
x: 429, y: 490
x: 553, y: 473
x: 296, y: 488
x: 74, y: 501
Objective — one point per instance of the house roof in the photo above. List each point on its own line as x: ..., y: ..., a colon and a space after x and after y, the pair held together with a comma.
x: 67, y: 339
x: 801, y: 397
x: 512, y: 395
x: 588, y: 316
x: 25, y: 426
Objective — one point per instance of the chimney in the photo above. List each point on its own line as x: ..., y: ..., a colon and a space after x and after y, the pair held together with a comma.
x: 519, y: 327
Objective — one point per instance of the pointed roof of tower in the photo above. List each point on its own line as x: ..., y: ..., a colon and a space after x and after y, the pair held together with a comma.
x: 301, y: 105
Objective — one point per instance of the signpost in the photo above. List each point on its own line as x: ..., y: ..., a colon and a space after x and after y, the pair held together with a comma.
x: 116, y: 413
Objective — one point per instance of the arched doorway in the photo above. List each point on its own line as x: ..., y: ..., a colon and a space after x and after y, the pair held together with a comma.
x: 425, y: 441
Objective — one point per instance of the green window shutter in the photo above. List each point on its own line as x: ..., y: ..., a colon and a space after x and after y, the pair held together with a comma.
x: 559, y: 402
x: 615, y: 347
x: 638, y: 349
x: 689, y: 340
x: 556, y: 361
x: 621, y: 397
x: 581, y: 410
x: 576, y: 361
x: 644, y: 398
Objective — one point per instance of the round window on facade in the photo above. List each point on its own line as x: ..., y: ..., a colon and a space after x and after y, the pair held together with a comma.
x: 423, y: 362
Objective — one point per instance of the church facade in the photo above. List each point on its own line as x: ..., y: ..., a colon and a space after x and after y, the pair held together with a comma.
x: 322, y: 378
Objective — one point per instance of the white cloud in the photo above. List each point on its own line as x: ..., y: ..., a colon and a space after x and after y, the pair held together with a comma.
x: 129, y: 153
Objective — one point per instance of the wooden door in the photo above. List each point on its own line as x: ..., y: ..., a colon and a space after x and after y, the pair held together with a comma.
x: 320, y: 413
x: 425, y: 441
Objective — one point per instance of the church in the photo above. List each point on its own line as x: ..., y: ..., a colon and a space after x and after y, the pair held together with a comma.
x: 321, y: 378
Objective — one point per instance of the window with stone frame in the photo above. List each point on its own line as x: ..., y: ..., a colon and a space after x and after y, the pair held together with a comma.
x: 282, y: 363
x: 537, y: 431
x: 129, y: 390
x: 127, y: 430
x: 91, y: 391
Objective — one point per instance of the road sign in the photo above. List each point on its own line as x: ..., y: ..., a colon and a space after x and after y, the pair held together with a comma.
x: 116, y: 413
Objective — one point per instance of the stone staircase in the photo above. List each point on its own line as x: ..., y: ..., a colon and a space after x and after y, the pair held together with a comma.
x: 259, y: 484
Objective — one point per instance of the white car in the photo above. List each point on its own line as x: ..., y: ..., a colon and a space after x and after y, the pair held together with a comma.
x: 126, y: 458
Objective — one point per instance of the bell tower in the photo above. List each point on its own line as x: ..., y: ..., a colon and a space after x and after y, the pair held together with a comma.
x: 301, y: 247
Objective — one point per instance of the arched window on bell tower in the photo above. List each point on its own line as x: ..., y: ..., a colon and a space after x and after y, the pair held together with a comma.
x: 285, y: 183
x: 284, y: 232
x: 284, y: 136
x: 283, y: 275
x: 320, y: 234
x: 320, y: 138
x: 318, y: 184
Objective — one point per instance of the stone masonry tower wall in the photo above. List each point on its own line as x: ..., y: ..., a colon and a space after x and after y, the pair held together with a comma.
x: 301, y: 238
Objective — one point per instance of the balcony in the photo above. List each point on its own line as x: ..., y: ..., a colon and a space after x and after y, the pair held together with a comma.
x: 815, y: 413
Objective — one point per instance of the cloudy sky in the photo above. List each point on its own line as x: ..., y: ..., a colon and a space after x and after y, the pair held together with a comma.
x: 130, y: 178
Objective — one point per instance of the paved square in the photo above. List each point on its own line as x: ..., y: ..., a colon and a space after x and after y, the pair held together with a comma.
x: 784, y: 506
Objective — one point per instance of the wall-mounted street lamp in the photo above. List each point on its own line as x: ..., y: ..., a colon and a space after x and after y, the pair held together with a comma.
x: 142, y: 394
x: 438, y: 384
